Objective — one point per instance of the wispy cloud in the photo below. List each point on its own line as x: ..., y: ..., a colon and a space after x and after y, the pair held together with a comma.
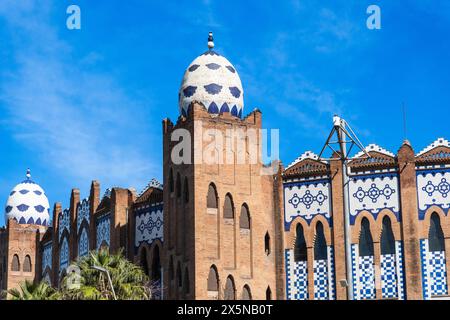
x: 77, y: 120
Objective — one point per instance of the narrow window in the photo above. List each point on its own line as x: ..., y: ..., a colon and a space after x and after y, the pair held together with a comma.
x: 267, y: 243
x: 15, y: 263
x: 244, y: 219
x: 435, y: 235
x: 230, y: 291
x: 228, y: 209
x: 211, y: 201
x: 246, y: 293
x: 156, y: 265
x: 27, y: 264
x: 268, y: 294
x: 365, y: 239
x: 387, y: 237
x: 213, y: 279
x: 171, y: 270
x: 144, y: 263
x: 300, y: 251
x: 320, y: 245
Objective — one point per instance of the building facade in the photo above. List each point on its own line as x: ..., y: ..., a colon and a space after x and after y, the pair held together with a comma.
x: 223, y: 225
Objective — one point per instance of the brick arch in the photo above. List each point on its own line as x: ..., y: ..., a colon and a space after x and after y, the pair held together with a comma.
x: 396, y: 228
x: 155, y: 244
x: 423, y: 233
x: 326, y: 229
x: 226, y: 213
x: 212, y: 196
x: 144, y: 251
x: 292, y: 235
x: 356, y: 229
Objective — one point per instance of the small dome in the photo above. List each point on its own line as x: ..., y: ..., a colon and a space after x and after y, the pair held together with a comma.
x: 28, y: 204
x: 212, y: 80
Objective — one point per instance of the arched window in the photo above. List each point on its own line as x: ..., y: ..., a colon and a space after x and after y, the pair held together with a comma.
x: 365, y: 239
x: 213, y: 279
x: 15, y: 266
x: 156, y: 265
x: 27, y: 264
x: 179, y: 276
x: 268, y: 294
x: 186, y: 281
x: 144, y: 263
x: 300, y: 251
x: 178, y: 185
x: 244, y: 219
x: 435, y: 235
x: 320, y: 245
x: 228, y: 209
x: 171, y: 269
x: 267, y: 243
x: 387, y: 237
x: 211, y: 201
x: 246, y: 293
x: 171, y: 185
x: 230, y: 290
x: 186, y: 191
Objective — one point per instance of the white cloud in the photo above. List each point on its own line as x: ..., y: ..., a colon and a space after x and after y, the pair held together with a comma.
x: 80, y: 122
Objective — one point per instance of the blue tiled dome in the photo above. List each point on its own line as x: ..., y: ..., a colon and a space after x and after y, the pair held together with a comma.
x: 28, y: 204
x: 212, y: 80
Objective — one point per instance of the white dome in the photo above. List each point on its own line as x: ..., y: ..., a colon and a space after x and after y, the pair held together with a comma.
x: 212, y: 80
x: 28, y: 204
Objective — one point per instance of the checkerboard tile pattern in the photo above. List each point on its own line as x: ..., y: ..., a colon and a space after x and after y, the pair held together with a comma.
x: 355, y: 271
x: 400, y: 270
x: 389, y: 287
x: 296, y: 278
x: 425, y: 271
x: 321, y: 280
x: 366, y: 278
x: 438, y: 273
x: 331, y: 281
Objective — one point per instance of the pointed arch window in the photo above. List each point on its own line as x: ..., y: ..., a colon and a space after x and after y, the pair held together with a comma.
x: 156, y: 265
x: 387, y: 237
x: 230, y: 290
x: 213, y: 279
x: 436, y: 242
x: 228, y: 208
x: 320, y: 244
x: 211, y: 201
x: 365, y: 239
x: 27, y: 264
x: 244, y: 219
x: 246, y: 293
x: 144, y: 263
x: 300, y: 251
x: 15, y: 265
x: 268, y: 294
x: 267, y: 243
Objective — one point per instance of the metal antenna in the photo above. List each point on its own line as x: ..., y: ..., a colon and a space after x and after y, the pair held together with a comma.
x: 345, y: 141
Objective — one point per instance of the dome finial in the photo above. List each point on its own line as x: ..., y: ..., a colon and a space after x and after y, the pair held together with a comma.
x: 210, y: 41
x: 28, y: 174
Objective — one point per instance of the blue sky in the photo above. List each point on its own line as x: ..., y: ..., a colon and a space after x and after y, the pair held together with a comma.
x: 88, y: 104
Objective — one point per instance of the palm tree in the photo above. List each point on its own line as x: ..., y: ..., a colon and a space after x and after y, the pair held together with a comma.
x: 90, y: 283
x: 29, y: 290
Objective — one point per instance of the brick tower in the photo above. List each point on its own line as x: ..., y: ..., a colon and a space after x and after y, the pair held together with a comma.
x: 222, y: 218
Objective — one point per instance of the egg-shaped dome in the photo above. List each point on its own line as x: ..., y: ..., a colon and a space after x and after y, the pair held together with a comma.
x: 28, y: 204
x: 212, y: 80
